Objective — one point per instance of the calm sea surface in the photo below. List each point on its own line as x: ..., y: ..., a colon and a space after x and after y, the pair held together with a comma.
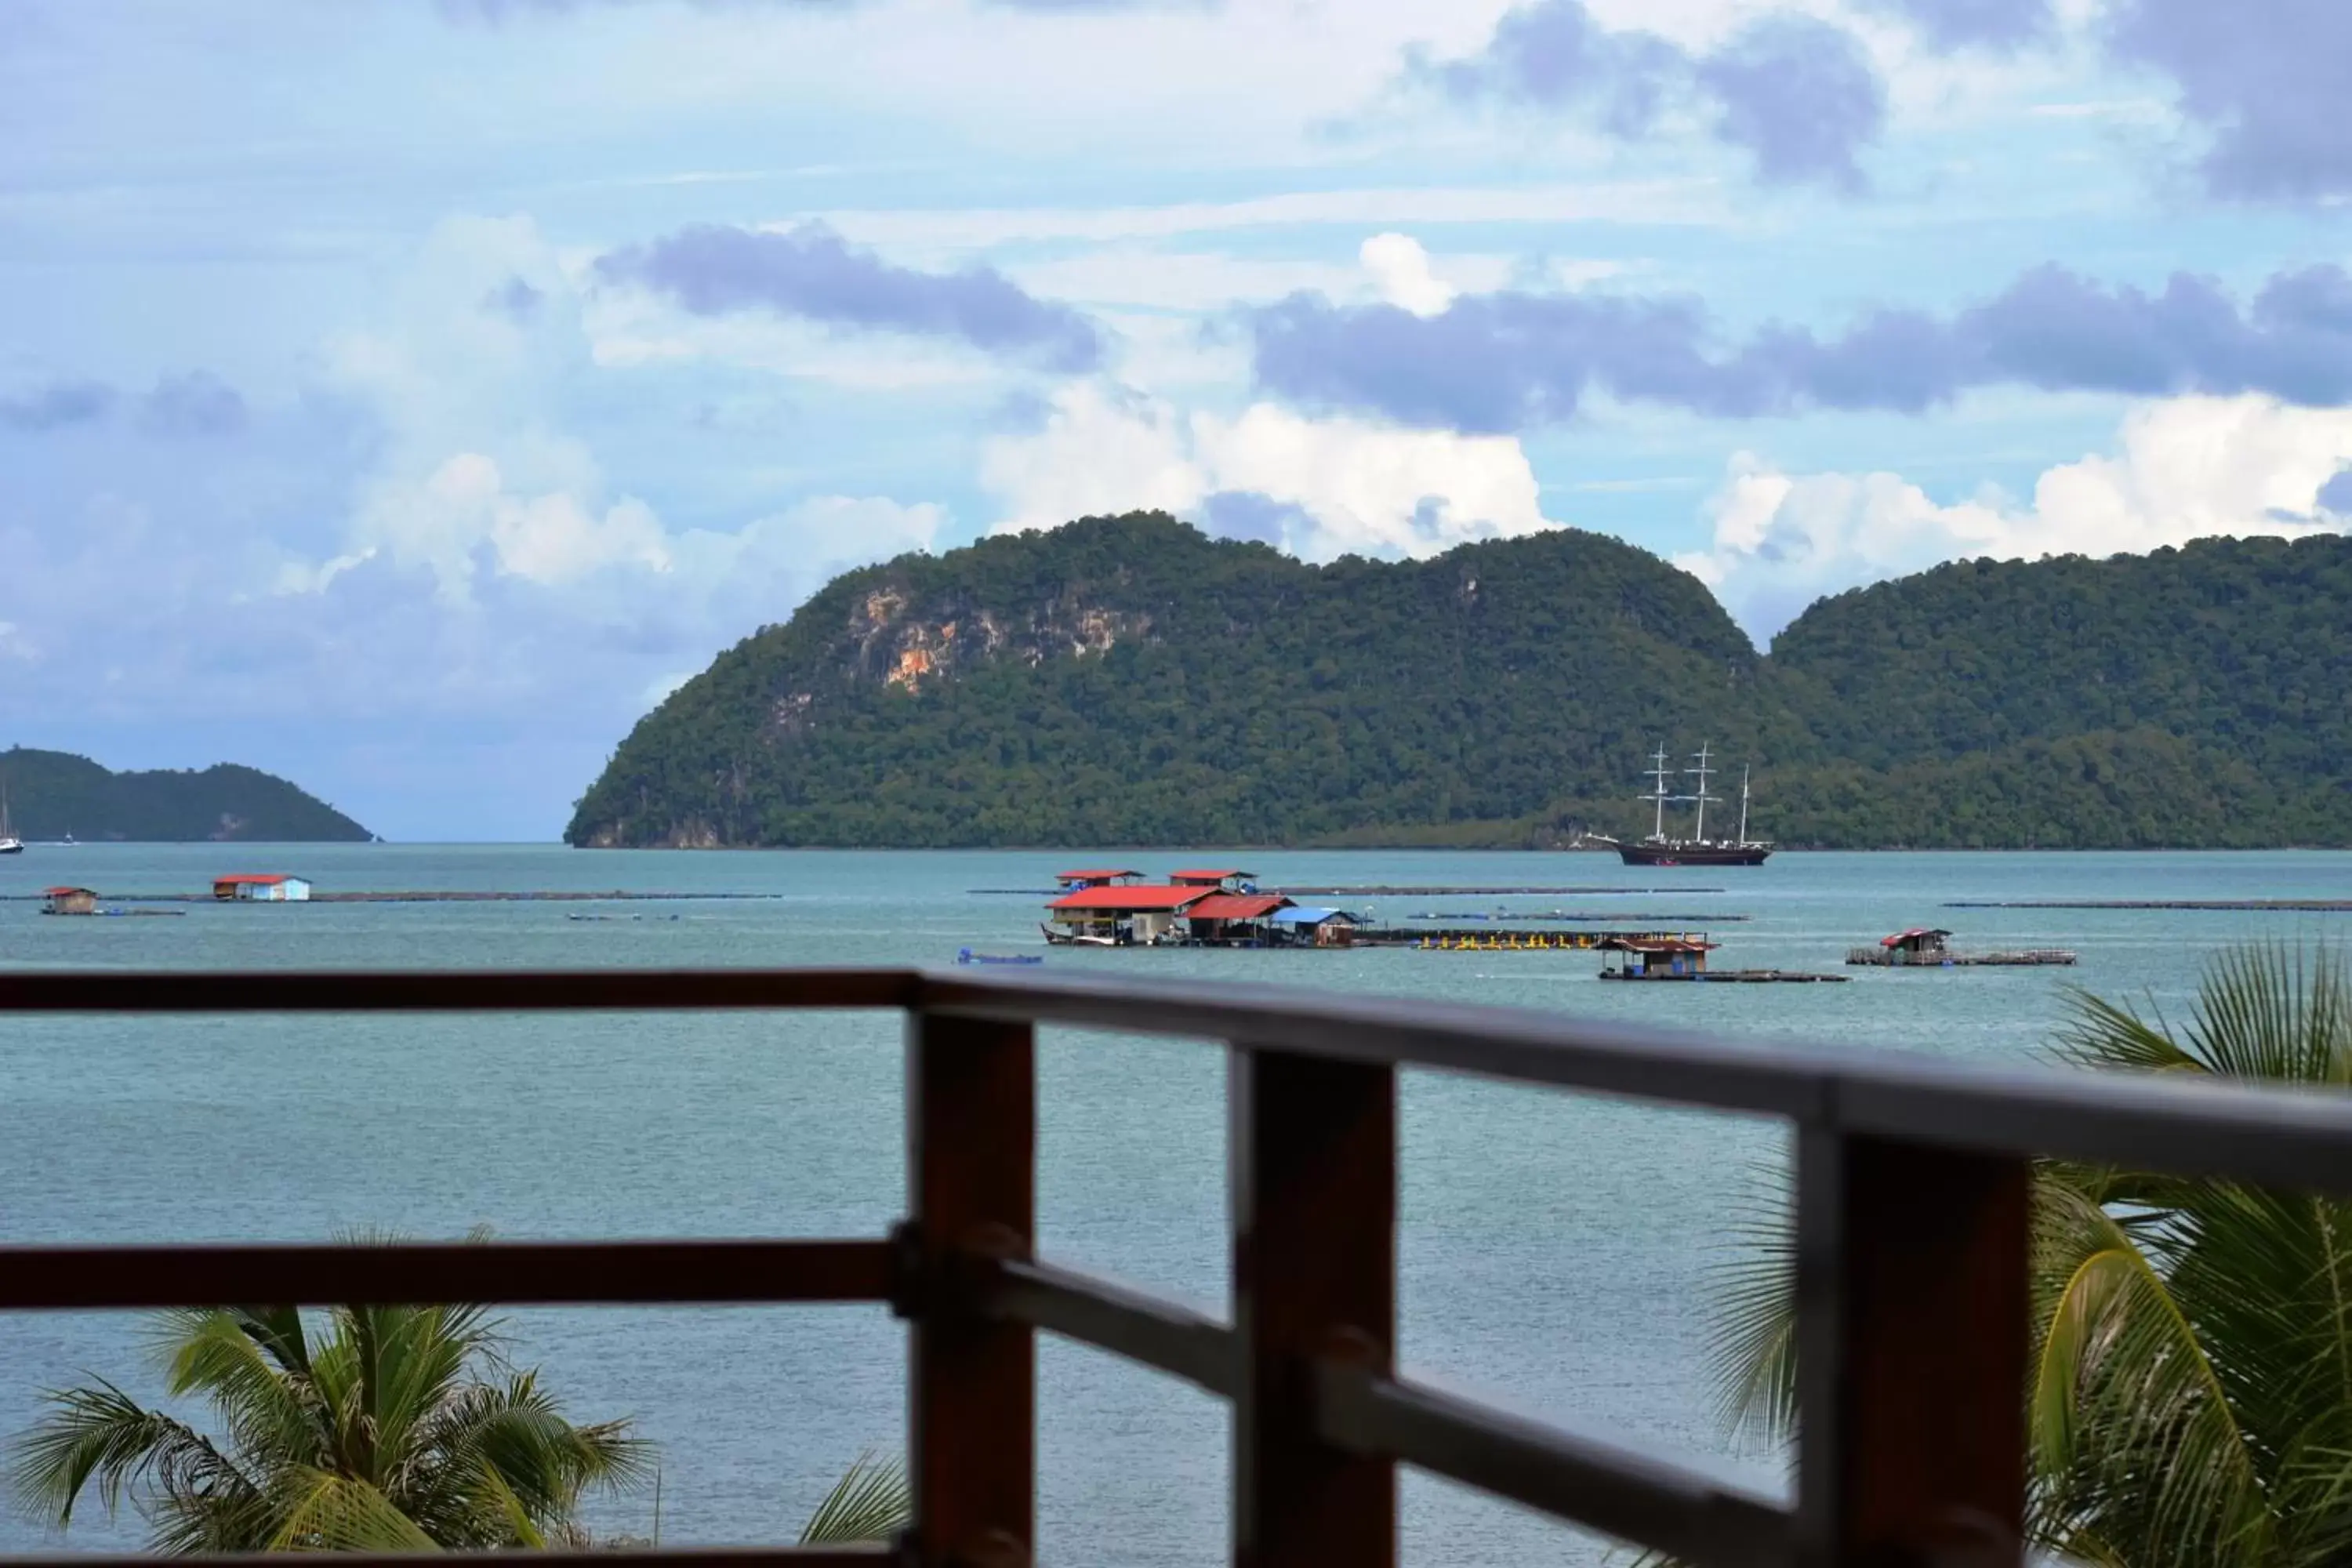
x: 1555, y: 1250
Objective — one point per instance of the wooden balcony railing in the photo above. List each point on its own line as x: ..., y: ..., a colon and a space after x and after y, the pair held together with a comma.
x: 1911, y: 1180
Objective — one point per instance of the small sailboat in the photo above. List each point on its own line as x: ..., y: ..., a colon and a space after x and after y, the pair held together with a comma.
x: 9, y: 843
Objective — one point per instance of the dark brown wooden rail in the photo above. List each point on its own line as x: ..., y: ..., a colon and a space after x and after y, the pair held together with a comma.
x: 1911, y: 1177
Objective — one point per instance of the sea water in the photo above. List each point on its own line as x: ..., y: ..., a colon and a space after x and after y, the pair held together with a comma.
x: 1556, y: 1251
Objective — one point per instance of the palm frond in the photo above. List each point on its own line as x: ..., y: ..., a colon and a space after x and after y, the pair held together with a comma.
x: 2267, y: 1011
x: 1753, y: 1359
x: 279, y: 1331
x: 871, y: 1502
x: 323, y: 1511
x: 2132, y: 1431
x: 99, y: 1437
x: 2107, y: 1036
x: 514, y: 1435
x: 238, y: 1364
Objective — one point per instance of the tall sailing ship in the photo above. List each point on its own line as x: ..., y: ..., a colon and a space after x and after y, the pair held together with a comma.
x: 1699, y: 849
x: 9, y: 843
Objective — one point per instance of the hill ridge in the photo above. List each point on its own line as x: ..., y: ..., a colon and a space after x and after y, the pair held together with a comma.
x: 52, y: 794
x: 1130, y: 680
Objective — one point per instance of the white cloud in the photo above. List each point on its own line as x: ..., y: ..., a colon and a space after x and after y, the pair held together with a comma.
x: 1140, y: 276
x: 807, y: 543
x: 462, y: 513
x: 476, y: 473
x: 2183, y: 469
x: 1401, y: 273
x: 1356, y: 486
x: 1098, y: 451
x: 463, y: 518
x: 928, y: 235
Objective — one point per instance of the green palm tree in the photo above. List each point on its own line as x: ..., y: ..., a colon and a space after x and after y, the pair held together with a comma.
x: 397, y: 1428
x: 2191, y: 1395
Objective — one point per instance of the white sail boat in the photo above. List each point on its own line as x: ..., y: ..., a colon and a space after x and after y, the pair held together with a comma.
x: 9, y: 843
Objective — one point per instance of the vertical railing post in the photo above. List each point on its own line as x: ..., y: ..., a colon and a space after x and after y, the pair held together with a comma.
x: 972, y: 1145
x: 1313, y: 1145
x: 1911, y: 1347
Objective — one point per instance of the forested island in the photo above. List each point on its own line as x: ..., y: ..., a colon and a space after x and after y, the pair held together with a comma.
x: 1130, y: 681
x: 54, y: 795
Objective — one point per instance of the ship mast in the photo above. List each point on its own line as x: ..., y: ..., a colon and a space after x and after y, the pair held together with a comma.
x: 1743, y: 803
x: 1702, y: 798
x: 1659, y: 772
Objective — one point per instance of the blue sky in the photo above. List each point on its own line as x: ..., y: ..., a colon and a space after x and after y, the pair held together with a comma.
x: 403, y: 394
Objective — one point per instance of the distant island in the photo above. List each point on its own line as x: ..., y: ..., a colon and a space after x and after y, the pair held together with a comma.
x: 1129, y: 680
x: 54, y: 794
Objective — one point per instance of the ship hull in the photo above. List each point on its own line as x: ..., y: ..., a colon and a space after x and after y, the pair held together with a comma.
x: 1691, y: 854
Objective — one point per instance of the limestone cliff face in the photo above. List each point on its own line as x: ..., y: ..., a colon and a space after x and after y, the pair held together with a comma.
x: 910, y: 646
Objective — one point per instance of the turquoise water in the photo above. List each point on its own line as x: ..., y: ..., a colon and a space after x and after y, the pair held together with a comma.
x: 1553, y: 1249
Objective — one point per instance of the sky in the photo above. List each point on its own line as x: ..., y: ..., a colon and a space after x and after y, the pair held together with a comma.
x: 405, y: 395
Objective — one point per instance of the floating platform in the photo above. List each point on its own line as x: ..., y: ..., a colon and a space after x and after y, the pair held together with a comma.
x: 1587, y: 917
x: 2307, y: 906
x: 1883, y: 958
x: 435, y: 896
x: 1429, y: 890
x: 1732, y: 976
x: 1469, y: 941
x: 1929, y: 947
x: 115, y: 914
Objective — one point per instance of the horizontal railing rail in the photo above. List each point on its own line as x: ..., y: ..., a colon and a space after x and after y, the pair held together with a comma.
x: 877, y: 1556
x: 516, y: 1273
x: 1911, y: 1205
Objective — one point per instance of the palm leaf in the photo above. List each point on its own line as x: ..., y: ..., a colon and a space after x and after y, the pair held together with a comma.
x: 237, y: 1361
x: 870, y: 1503
x: 2133, y: 1434
x: 323, y: 1511
x: 1753, y: 1359
x: 101, y: 1437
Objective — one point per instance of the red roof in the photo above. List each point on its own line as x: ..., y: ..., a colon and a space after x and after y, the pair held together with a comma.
x: 1112, y: 899
x: 1235, y: 907
x: 270, y: 881
x: 1092, y: 876
x: 61, y: 892
x: 1207, y: 876
x: 1655, y: 944
x: 1900, y: 937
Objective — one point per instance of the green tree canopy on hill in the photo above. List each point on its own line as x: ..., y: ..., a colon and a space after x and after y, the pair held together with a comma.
x: 53, y: 793
x: 1129, y: 680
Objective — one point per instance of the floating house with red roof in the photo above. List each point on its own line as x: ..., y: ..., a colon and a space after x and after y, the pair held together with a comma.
x: 1208, y: 906
x: 1096, y: 878
x: 1112, y: 913
x: 1231, y: 881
